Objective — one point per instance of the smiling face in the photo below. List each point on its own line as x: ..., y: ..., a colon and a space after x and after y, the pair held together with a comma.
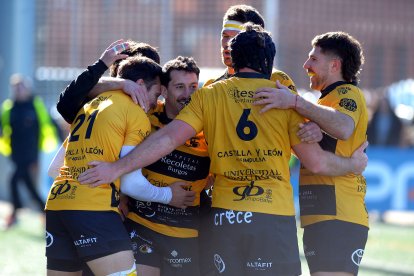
x: 319, y: 67
x: 179, y: 90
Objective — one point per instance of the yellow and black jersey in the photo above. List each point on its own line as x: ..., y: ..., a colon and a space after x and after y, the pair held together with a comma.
x: 282, y: 77
x: 342, y: 197
x: 249, y: 151
x: 190, y: 163
x: 100, y: 129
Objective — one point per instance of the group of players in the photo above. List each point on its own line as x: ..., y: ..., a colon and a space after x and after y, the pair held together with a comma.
x: 128, y: 203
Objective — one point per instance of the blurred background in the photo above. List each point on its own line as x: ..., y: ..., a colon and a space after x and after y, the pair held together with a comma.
x: 52, y: 41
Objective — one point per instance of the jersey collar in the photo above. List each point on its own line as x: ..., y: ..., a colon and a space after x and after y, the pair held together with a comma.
x: 250, y: 75
x: 331, y: 87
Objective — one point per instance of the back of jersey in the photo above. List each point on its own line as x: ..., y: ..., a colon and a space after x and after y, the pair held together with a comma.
x: 99, y: 131
x: 249, y: 151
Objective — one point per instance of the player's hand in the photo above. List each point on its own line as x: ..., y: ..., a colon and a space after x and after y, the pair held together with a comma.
x: 360, y: 158
x: 100, y: 173
x: 123, y: 206
x: 113, y: 52
x: 309, y: 132
x: 138, y: 93
x: 280, y: 97
x: 181, y: 198
x: 210, y: 181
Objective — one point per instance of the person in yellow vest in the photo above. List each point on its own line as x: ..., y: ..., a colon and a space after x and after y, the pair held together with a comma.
x: 26, y: 128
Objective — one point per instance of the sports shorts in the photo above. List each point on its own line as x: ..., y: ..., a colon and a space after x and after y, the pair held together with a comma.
x: 76, y: 237
x: 174, y: 256
x: 248, y: 243
x: 334, y: 245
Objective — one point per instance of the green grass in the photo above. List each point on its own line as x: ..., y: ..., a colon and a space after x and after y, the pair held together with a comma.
x: 390, y: 248
x: 22, y: 247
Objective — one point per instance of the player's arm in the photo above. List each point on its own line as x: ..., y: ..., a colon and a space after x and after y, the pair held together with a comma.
x: 57, y: 162
x: 135, y: 185
x: 137, y: 92
x: 76, y: 93
x: 322, y: 162
x: 150, y: 150
x: 332, y: 121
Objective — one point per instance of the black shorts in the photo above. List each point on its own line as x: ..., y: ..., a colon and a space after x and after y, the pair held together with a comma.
x: 76, y: 237
x: 247, y: 243
x: 174, y: 256
x: 334, y: 245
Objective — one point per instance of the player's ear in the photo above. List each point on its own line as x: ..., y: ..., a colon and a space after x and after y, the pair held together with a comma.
x: 336, y: 64
x: 140, y: 82
x: 164, y: 91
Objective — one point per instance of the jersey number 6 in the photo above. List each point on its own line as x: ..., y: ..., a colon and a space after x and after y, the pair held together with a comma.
x: 245, y: 124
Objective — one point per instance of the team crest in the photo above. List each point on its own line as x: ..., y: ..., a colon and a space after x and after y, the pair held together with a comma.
x: 348, y: 104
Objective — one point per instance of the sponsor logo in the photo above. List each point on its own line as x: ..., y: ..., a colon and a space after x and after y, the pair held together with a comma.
x: 343, y: 90
x: 247, y: 191
x: 85, y: 242
x: 219, y: 263
x: 308, y: 253
x: 357, y: 256
x: 49, y: 239
x: 259, y: 264
x: 60, y: 189
x: 252, y: 175
x: 133, y: 234
x: 293, y: 88
x: 145, y: 208
x: 232, y: 217
x: 241, y: 96
x: 192, y: 142
x: 348, y: 104
x: 146, y: 249
x: 177, y: 262
x: 174, y: 253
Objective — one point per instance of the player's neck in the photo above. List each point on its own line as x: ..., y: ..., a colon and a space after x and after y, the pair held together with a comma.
x: 230, y: 70
x: 246, y: 69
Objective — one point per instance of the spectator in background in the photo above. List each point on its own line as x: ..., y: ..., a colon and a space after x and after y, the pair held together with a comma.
x: 385, y: 128
x: 26, y: 127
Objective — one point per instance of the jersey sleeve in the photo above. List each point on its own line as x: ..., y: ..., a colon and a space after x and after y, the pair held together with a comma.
x: 192, y: 114
x: 138, y: 125
x: 208, y: 82
x: 75, y: 94
x: 348, y: 101
x: 284, y: 79
x: 294, y: 120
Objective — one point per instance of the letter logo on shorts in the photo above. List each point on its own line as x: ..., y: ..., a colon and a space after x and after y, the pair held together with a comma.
x: 357, y: 256
x: 49, y: 239
x: 219, y: 263
x: 248, y: 190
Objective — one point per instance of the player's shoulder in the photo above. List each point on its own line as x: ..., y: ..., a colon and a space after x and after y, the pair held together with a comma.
x: 284, y: 79
x: 279, y: 75
x: 348, y: 89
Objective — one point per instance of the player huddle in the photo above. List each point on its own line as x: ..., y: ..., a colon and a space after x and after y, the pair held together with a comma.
x: 199, y: 183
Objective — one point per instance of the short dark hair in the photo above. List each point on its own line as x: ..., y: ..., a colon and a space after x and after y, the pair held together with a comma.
x: 253, y: 48
x: 180, y: 63
x: 136, y: 48
x: 138, y: 67
x: 347, y: 48
x: 244, y: 14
